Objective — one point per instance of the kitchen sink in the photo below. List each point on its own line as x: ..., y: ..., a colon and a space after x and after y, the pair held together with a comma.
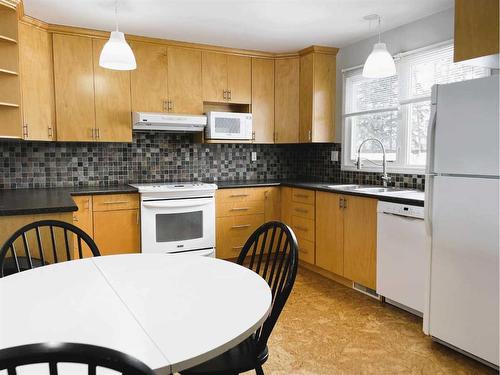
x: 344, y: 187
x: 369, y: 189
x: 376, y: 189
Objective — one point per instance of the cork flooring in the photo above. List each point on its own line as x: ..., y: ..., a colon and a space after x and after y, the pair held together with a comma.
x: 327, y: 328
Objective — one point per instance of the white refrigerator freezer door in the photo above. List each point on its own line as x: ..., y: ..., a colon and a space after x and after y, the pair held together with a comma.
x: 467, y: 128
x: 464, y: 290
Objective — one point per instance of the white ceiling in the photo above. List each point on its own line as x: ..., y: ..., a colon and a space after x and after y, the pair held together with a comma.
x: 267, y: 25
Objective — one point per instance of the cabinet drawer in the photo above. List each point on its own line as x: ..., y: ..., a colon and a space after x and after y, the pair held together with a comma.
x: 306, y: 250
x: 303, y: 196
x: 224, y: 209
x: 110, y: 202
x: 233, y: 232
x: 240, y: 195
x: 303, y: 210
x: 303, y: 228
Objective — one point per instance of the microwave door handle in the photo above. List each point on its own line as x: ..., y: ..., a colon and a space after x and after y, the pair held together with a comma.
x: 175, y: 203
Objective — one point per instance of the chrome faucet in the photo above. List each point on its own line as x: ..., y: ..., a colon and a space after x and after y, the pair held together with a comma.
x: 385, y: 177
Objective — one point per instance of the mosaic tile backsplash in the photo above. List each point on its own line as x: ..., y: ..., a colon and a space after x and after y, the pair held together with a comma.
x: 157, y: 157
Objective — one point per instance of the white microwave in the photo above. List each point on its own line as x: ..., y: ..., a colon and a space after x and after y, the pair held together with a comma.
x: 229, y: 125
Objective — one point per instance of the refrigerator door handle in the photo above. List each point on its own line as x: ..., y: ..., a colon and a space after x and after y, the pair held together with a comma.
x: 429, y: 182
x: 431, y: 132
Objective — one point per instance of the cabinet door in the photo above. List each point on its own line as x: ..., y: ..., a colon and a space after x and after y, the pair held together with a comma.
x: 113, y: 115
x: 360, y: 240
x: 83, y: 220
x: 184, y: 80
x: 37, y: 87
x: 329, y: 232
x: 323, y: 129
x: 286, y: 103
x: 239, y: 79
x: 148, y: 82
x: 263, y: 100
x: 74, y: 87
x: 106, y: 226
x: 214, y: 73
x: 306, y: 97
x: 272, y: 204
x: 286, y: 205
x: 476, y: 29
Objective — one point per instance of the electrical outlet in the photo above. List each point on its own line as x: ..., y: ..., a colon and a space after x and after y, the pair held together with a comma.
x: 254, y: 156
x: 334, y: 156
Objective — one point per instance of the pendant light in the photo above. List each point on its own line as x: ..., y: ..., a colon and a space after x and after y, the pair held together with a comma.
x: 116, y: 53
x: 379, y: 63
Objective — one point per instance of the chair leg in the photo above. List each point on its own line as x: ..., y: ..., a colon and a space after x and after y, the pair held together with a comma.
x: 259, y: 370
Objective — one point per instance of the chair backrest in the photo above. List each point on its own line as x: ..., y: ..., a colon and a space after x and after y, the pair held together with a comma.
x: 272, y: 252
x: 41, y: 243
x: 55, y: 356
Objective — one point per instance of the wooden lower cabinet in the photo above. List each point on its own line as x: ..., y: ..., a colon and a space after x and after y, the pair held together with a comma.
x: 117, y: 231
x: 239, y: 212
x: 83, y: 220
x: 112, y: 220
x: 360, y: 240
x: 329, y: 232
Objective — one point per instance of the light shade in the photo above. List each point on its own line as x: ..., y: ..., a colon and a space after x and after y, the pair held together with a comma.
x: 380, y: 63
x: 117, y: 54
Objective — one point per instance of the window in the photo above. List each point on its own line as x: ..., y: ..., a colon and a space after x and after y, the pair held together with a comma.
x: 396, y: 110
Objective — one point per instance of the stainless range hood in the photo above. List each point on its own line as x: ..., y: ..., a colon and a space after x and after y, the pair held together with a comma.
x: 175, y: 123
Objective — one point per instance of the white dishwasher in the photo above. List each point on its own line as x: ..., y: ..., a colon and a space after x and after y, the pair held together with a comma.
x: 403, y: 255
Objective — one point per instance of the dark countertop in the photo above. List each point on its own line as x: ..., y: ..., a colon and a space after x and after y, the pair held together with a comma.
x: 50, y: 200
x: 407, y: 196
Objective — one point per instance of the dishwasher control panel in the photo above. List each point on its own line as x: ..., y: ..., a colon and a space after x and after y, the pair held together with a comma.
x: 401, y: 209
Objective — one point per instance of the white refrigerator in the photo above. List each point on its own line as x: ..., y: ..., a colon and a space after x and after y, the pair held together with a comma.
x: 462, y: 217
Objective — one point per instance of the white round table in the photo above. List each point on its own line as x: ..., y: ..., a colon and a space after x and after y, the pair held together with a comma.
x: 171, y: 312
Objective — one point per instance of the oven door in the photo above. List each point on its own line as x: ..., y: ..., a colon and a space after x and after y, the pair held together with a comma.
x: 175, y: 225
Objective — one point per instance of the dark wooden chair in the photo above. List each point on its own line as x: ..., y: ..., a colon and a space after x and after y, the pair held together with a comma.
x: 42, y: 243
x: 272, y: 252
x: 53, y: 354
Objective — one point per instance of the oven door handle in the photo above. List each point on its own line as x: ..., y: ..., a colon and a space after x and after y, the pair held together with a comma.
x: 177, y: 203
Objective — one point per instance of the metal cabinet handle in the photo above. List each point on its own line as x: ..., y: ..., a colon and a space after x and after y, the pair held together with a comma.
x: 301, y: 196
x: 253, y: 136
x: 25, y: 130
x: 165, y: 105
x: 171, y: 105
x: 50, y: 131
x: 303, y: 210
x: 224, y: 94
x: 341, y: 202
x: 238, y: 195
x: 310, y: 135
x: 229, y: 94
x: 344, y: 203
x: 240, y: 209
x: 240, y: 226
x: 75, y: 219
x: 114, y: 202
x: 92, y: 133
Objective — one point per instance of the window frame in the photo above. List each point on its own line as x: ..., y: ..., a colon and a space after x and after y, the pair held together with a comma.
x: 401, y: 164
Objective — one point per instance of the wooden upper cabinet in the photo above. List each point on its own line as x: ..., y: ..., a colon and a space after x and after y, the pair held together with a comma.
x: 286, y: 102
x: 226, y: 78
x: 476, y: 29
x: 112, y: 101
x: 37, y: 86
x: 329, y: 232
x: 239, y: 79
x: 263, y: 100
x: 317, y: 97
x: 360, y: 240
x: 214, y: 73
x: 148, y: 82
x: 74, y: 87
x: 184, y: 80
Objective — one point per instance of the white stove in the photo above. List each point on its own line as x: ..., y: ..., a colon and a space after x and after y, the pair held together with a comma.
x: 178, y: 218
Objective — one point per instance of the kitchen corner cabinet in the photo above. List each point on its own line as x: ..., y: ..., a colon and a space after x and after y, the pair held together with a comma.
x: 239, y: 212
x: 476, y: 29
x: 103, y: 216
x: 317, y: 97
x: 226, y: 78
x: 92, y: 103
x: 83, y: 220
x: 37, y: 86
x: 346, y: 236
x: 263, y: 100
x: 286, y: 100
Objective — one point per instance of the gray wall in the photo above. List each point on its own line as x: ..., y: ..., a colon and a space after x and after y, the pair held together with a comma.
x: 426, y: 31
